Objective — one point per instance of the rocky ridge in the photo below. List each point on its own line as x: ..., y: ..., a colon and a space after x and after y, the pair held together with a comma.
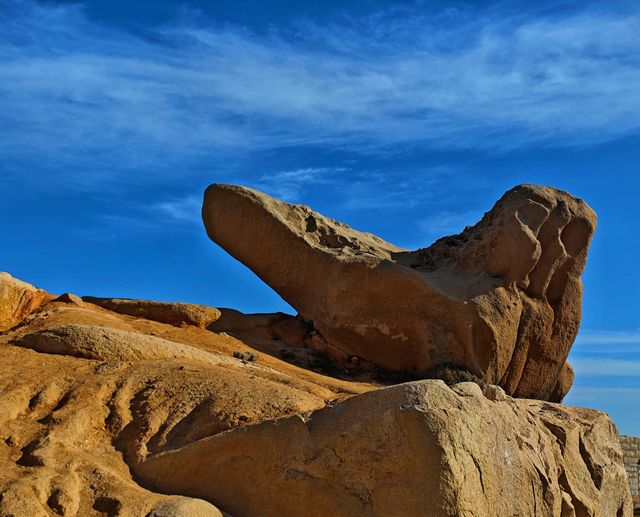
x: 140, y: 408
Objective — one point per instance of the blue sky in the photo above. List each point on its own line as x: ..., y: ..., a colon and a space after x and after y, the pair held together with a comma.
x: 407, y: 119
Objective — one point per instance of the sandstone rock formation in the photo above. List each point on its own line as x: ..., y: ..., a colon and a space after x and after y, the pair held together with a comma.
x: 415, y: 449
x: 104, y: 413
x: 86, y: 392
x: 167, y: 312
x: 17, y: 300
x: 185, y: 507
x: 502, y: 298
x: 106, y: 344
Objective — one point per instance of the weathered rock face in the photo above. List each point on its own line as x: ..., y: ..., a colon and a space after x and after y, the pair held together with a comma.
x: 173, y: 313
x: 502, y: 299
x: 185, y: 508
x: 106, y: 413
x: 17, y: 300
x: 107, y: 344
x: 414, y: 449
x: 85, y: 392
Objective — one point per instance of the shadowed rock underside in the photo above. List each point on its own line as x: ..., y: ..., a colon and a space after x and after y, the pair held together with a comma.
x: 501, y: 299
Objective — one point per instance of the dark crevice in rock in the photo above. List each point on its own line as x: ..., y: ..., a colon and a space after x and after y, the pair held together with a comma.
x: 595, y: 470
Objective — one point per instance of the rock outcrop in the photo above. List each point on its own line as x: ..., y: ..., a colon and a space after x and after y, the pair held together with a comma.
x: 185, y: 507
x: 17, y: 300
x: 86, y: 392
x: 107, y: 413
x: 107, y: 344
x: 413, y: 449
x: 501, y: 299
x: 173, y: 313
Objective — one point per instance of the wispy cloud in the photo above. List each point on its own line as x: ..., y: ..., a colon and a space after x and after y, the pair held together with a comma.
x: 71, y: 89
x: 398, y: 189
x: 604, y: 366
x: 185, y: 209
x: 607, y: 367
x: 129, y: 219
x: 609, y: 337
x: 602, y: 397
x: 290, y: 184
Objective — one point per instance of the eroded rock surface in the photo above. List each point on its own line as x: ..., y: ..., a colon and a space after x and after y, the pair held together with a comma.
x: 86, y: 392
x: 107, y: 344
x: 502, y: 298
x: 185, y: 507
x: 414, y: 449
x: 173, y: 313
x: 107, y: 413
x: 17, y: 300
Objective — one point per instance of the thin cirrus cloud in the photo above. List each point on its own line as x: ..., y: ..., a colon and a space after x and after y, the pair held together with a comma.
x: 599, y: 367
x: 290, y: 184
x: 184, y: 210
x: 608, y: 337
x: 613, y: 353
x: 73, y: 89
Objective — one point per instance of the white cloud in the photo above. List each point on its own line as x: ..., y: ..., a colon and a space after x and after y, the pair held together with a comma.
x: 594, y: 393
x: 289, y: 185
x: 73, y: 90
x: 185, y: 209
x: 603, y: 366
x: 608, y: 337
x: 128, y: 218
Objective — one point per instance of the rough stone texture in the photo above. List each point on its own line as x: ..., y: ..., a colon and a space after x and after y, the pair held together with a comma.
x: 495, y: 393
x: 502, y: 298
x: 69, y: 298
x: 414, y: 449
x: 173, y: 313
x: 564, y: 383
x: 103, y: 343
x: 631, y: 452
x: 18, y: 299
x: 100, y: 411
x: 110, y: 389
x: 186, y: 507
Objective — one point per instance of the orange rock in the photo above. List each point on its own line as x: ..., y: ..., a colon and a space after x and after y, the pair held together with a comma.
x: 173, y: 313
x: 85, y: 392
x: 565, y: 381
x: 106, y: 413
x: 414, y: 449
x: 502, y: 299
x: 18, y: 299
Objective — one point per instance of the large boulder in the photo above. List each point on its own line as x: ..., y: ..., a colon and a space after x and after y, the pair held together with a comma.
x: 18, y: 299
x: 413, y: 449
x: 501, y: 299
x: 109, y: 344
x: 184, y: 507
x: 173, y: 313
